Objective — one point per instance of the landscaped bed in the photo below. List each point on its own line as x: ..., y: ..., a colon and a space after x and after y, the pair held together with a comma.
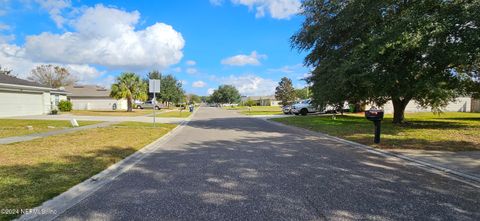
x: 14, y: 127
x: 123, y: 113
x: 257, y: 110
x: 448, y: 131
x: 34, y: 171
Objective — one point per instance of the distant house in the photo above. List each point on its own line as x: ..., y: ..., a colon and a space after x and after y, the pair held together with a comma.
x: 19, y: 97
x: 93, y: 97
x: 461, y: 104
x: 263, y: 100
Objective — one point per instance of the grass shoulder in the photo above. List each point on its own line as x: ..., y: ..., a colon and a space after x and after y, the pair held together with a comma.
x: 35, y: 171
x: 17, y: 127
x: 448, y: 131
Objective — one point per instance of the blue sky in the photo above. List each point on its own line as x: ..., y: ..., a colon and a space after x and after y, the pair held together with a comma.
x: 204, y: 43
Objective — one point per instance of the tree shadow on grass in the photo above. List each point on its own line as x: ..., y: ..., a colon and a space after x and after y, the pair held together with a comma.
x: 27, y: 186
x: 273, y: 173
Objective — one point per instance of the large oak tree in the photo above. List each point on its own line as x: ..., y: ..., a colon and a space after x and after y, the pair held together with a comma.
x: 399, y: 50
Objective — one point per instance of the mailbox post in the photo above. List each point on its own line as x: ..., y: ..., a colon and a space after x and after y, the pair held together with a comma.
x: 376, y: 116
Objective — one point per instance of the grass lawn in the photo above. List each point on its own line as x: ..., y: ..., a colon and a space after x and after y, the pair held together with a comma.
x: 448, y: 131
x: 175, y: 113
x: 123, y: 113
x: 14, y: 127
x: 258, y: 110
x: 34, y: 171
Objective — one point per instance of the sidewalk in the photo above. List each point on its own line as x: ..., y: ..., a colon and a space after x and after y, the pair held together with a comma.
x: 9, y: 140
x: 467, y: 162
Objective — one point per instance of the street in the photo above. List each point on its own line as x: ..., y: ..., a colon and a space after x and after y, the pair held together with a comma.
x: 226, y: 166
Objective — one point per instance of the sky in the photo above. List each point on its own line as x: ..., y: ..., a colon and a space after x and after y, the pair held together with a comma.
x: 203, y: 43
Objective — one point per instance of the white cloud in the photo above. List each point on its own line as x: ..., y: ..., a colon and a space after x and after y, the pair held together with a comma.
x: 54, y: 8
x: 101, y: 36
x: 84, y: 73
x: 191, y: 63
x: 279, y: 9
x: 191, y: 71
x: 199, y: 84
x: 177, y: 69
x: 4, y: 27
x: 288, y: 69
x: 12, y: 57
x: 305, y: 76
x: 183, y: 82
x: 107, y: 37
x: 250, y: 84
x: 6, y: 38
x: 216, y: 2
x: 210, y: 91
x: 242, y: 60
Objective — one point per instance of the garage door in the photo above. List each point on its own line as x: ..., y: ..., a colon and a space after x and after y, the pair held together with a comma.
x: 20, y: 104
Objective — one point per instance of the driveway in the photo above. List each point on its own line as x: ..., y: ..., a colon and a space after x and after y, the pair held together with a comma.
x: 224, y: 166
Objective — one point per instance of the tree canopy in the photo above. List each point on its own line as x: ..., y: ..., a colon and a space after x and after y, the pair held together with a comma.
x: 5, y: 71
x: 302, y: 93
x: 171, y: 90
x: 129, y: 86
x: 52, y: 76
x: 285, y: 91
x: 376, y: 51
x: 226, y: 94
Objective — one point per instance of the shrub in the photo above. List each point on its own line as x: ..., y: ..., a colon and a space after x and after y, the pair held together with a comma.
x: 54, y: 112
x: 65, y: 105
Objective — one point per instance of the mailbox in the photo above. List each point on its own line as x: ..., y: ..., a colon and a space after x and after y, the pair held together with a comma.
x: 376, y: 116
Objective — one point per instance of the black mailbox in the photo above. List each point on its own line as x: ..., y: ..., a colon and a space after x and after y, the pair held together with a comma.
x: 376, y: 116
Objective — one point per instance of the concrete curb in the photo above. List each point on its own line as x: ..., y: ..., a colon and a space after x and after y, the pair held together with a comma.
x: 430, y: 167
x: 56, y: 206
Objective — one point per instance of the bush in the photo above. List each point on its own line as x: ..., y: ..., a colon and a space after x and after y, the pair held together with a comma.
x: 54, y: 112
x: 65, y: 106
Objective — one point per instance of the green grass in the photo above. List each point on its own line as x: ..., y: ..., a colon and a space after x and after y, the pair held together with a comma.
x: 122, y: 113
x: 257, y: 110
x: 448, y: 131
x: 14, y: 127
x: 34, y: 171
x: 176, y: 113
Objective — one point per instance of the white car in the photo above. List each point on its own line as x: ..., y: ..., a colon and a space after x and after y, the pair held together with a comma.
x: 304, y: 107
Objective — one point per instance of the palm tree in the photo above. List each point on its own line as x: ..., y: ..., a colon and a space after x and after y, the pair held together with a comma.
x: 129, y: 86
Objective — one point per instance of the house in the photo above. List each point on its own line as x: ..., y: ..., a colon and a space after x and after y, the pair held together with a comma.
x: 461, y: 104
x: 93, y: 97
x: 19, y: 97
x: 263, y: 100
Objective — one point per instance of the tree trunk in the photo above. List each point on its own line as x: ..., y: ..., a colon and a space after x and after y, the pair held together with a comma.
x: 399, y: 106
x: 129, y: 105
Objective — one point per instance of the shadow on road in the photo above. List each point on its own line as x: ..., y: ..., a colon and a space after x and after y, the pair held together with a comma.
x: 276, y: 174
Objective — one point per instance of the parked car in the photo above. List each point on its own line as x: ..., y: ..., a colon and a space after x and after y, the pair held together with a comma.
x: 287, y: 109
x: 148, y: 105
x: 304, y: 107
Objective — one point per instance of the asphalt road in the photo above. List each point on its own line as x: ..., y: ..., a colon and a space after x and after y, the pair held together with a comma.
x: 224, y: 166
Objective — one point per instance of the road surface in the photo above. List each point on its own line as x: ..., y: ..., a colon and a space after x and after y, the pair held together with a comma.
x: 224, y: 166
